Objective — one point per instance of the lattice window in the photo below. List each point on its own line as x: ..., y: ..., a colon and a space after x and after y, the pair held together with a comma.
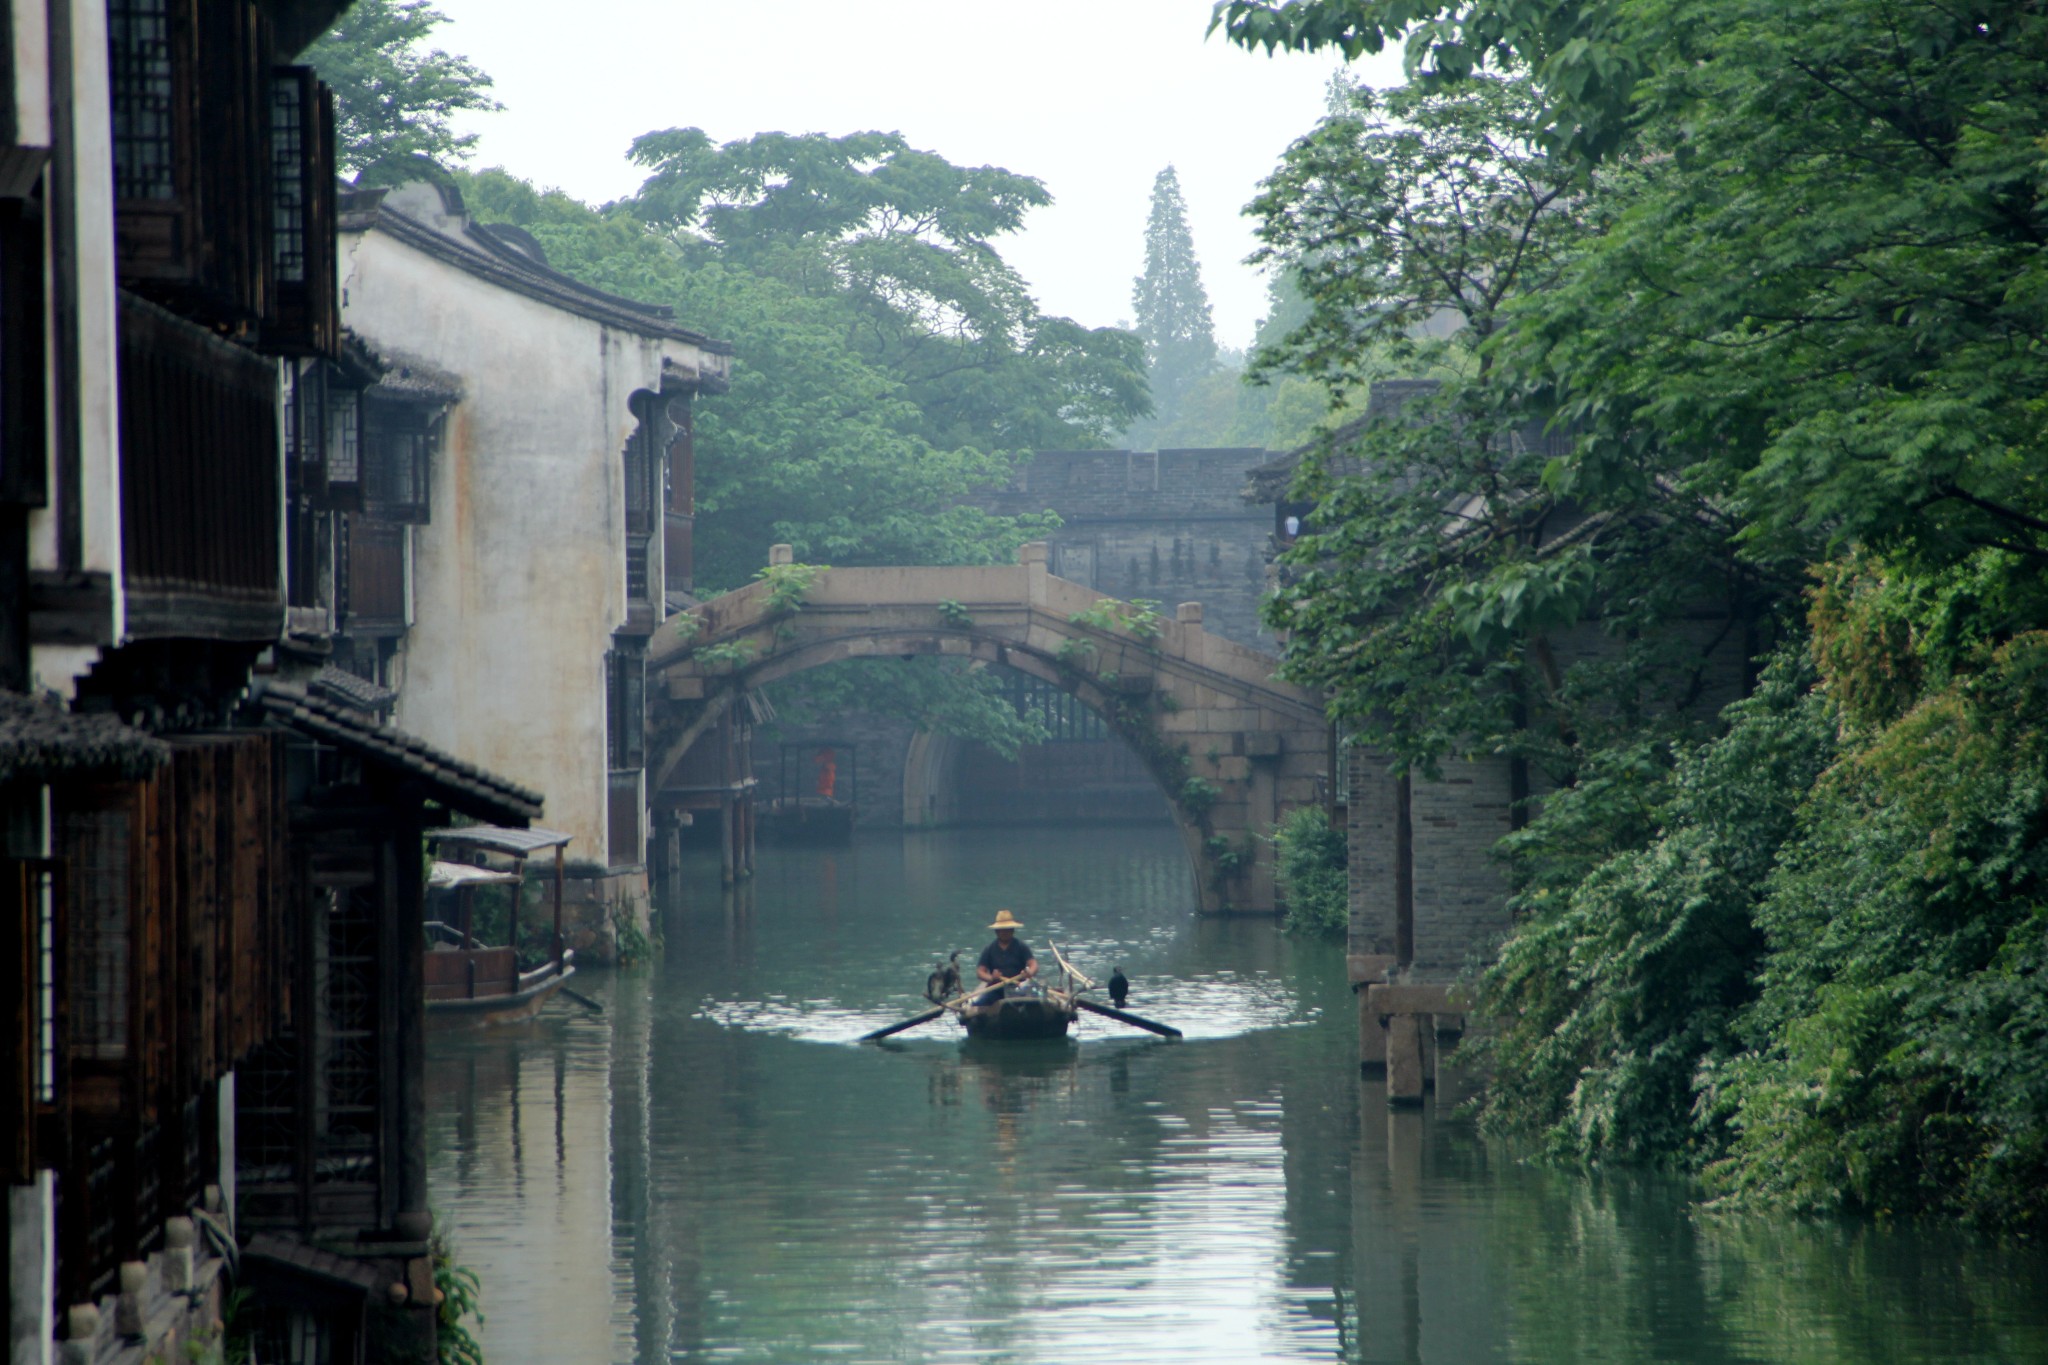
x: 266, y: 1113
x: 642, y: 470
x: 148, y: 1213
x: 102, y: 1222
x: 46, y: 988
x: 308, y: 425
x: 305, y: 429
x: 97, y: 846
x: 642, y: 465
x: 192, y: 1169
x: 397, y: 450
x: 29, y: 991
x: 345, y: 437
x: 141, y: 73
x: 397, y: 472
x: 639, y: 568
x: 294, y: 1338
x: 348, y: 1042
x: 289, y: 130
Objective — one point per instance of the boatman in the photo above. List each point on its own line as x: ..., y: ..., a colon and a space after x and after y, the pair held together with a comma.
x: 1008, y: 956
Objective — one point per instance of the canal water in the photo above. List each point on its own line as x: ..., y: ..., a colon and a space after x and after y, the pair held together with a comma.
x: 712, y: 1170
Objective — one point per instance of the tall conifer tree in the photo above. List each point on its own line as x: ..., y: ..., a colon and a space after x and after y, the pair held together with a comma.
x: 1172, y: 307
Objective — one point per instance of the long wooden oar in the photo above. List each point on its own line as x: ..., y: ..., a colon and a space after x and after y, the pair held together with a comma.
x: 966, y: 999
x: 932, y: 1014
x: 1163, y: 1030
x: 912, y: 1022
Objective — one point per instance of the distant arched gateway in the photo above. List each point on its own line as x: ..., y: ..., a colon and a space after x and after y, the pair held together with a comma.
x: 1233, y: 747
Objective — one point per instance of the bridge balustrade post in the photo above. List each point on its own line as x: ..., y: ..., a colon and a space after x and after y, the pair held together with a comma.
x: 1036, y: 559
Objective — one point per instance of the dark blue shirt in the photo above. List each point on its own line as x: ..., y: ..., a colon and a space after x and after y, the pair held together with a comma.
x: 1006, y: 961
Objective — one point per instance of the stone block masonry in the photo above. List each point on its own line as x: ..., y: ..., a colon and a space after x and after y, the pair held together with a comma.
x: 1146, y: 687
x: 1428, y: 892
x: 1460, y: 891
x: 1170, y: 525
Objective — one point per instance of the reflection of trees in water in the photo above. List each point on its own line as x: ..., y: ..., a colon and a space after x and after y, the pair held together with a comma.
x: 1459, y: 1254
x: 772, y: 1198
x: 1856, y: 1293
x: 937, y: 1184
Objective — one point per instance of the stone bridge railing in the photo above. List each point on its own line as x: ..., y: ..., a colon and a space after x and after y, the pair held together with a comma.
x: 1233, y: 747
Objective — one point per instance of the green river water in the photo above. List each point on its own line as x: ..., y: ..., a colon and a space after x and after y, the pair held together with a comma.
x: 712, y: 1170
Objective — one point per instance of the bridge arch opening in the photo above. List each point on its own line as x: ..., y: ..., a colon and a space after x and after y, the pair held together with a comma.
x: 1230, y: 747
x: 1081, y: 772
x: 936, y: 761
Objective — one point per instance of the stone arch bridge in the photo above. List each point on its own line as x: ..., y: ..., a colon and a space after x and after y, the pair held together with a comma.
x: 1233, y: 747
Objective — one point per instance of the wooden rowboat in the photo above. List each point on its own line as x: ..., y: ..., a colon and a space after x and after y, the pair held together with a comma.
x: 1026, y: 1012
x: 469, y: 983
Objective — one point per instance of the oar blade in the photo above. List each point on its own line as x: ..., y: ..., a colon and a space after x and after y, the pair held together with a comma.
x: 1163, y: 1030
x: 901, y: 1025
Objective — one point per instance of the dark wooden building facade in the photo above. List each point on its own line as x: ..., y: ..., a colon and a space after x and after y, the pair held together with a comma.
x: 212, y: 843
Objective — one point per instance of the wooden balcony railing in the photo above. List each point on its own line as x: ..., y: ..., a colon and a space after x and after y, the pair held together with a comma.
x: 202, y: 491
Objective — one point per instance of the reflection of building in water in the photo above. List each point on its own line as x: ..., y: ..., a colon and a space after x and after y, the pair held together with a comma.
x: 1419, y: 1268
x: 530, y: 1194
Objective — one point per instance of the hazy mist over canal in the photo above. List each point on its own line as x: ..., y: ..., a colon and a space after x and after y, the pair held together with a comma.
x: 712, y: 1170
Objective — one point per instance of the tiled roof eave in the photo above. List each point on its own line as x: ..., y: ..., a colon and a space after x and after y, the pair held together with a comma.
x: 558, y: 291
x: 461, y: 786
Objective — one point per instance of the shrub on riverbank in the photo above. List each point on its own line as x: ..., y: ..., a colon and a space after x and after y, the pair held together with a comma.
x: 1897, y: 1054
x: 1312, y: 873
x: 1808, y: 958
x: 1637, y: 944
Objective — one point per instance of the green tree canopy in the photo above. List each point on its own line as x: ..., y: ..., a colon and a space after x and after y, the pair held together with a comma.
x: 1586, y: 56
x: 1787, y: 329
x: 393, y: 96
x: 1443, y: 569
x: 890, y: 365
x: 901, y: 244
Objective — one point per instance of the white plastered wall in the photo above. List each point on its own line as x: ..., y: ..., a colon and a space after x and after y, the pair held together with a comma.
x: 91, y: 365
x: 519, y: 580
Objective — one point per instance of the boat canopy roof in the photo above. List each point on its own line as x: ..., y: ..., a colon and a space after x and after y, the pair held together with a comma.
x: 498, y: 839
x: 446, y: 875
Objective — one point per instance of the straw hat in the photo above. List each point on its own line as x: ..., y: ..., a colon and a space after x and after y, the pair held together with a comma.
x: 1006, y: 920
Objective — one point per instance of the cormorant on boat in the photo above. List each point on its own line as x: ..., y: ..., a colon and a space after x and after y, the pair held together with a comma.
x: 1119, y: 987
x: 944, y: 982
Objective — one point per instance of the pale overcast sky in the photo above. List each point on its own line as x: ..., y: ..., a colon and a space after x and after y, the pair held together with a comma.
x: 1093, y: 99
